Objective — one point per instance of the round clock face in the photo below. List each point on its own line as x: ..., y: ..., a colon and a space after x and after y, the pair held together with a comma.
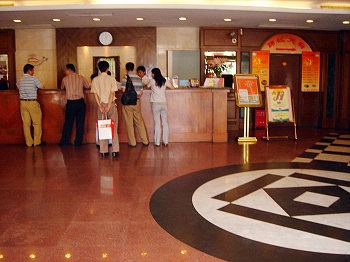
x: 105, y: 38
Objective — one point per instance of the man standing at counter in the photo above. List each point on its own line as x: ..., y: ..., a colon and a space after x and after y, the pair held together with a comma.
x: 75, y: 107
x: 28, y: 86
x: 132, y: 113
x: 104, y: 87
x: 141, y: 72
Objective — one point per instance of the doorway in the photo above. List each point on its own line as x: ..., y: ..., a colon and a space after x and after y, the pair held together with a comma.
x: 285, y: 69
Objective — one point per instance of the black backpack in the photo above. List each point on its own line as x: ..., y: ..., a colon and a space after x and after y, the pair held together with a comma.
x: 129, y: 96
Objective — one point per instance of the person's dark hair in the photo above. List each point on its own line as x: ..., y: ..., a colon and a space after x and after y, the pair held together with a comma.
x: 70, y: 67
x: 141, y: 68
x: 158, y: 77
x: 93, y: 76
x: 27, y: 67
x: 103, y: 66
x: 130, y: 66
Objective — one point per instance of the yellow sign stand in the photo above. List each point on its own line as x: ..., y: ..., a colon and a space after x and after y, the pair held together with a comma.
x: 248, y: 94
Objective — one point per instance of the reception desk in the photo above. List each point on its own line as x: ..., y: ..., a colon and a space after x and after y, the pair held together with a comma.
x: 194, y: 115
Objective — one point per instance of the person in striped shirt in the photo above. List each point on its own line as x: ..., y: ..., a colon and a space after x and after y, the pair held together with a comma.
x: 74, y: 85
x: 30, y: 109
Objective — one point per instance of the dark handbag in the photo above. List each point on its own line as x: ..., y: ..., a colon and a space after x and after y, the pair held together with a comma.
x: 129, y: 96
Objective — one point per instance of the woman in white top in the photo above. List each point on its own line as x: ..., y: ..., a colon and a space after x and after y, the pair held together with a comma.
x: 158, y: 86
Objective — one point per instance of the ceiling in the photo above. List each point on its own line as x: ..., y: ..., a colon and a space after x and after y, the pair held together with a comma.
x: 327, y: 15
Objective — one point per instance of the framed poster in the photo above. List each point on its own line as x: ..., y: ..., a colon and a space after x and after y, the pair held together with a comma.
x: 279, y: 104
x: 261, y: 67
x: 247, y: 90
x: 310, y: 75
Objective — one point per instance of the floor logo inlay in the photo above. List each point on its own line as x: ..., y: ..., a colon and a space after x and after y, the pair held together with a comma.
x: 271, y: 209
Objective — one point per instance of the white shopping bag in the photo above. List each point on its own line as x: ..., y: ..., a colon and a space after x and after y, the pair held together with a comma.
x: 105, y: 129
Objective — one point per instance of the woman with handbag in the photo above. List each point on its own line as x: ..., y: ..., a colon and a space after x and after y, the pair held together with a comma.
x: 158, y: 86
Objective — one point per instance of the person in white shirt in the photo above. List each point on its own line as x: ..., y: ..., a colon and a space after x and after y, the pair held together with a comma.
x: 141, y: 72
x: 104, y: 87
x: 158, y: 85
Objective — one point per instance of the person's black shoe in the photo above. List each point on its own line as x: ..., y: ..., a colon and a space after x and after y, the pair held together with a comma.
x: 104, y: 155
x: 132, y: 145
x: 145, y: 144
x: 115, y: 154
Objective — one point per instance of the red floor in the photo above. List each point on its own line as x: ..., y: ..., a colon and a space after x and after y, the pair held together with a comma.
x: 67, y: 204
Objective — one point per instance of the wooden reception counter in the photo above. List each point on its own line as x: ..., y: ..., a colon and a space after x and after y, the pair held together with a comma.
x: 194, y: 115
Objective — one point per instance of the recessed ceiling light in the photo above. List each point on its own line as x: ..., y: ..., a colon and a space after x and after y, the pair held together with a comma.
x: 272, y: 20
x: 182, y: 18
x: 309, y: 21
x: 17, y: 20
x: 56, y: 20
x: 346, y: 22
x: 227, y: 19
x: 139, y: 19
x: 96, y: 19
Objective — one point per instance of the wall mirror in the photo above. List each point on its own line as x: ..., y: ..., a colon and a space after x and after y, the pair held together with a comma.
x: 4, y: 83
x: 114, y: 65
x: 218, y: 63
x: 117, y: 55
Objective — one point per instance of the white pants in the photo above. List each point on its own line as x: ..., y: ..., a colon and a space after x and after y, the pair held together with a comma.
x: 160, y: 113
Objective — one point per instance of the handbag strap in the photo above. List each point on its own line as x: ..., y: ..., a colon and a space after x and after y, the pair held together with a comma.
x: 104, y: 117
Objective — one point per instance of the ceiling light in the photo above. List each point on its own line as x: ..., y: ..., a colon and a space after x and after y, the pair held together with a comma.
x: 227, y: 19
x: 139, y: 19
x: 309, y: 21
x: 182, y: 18
x: 96, y: 19
x: 272, y: 20
x: 56, y: 20
x: 17, y: 20
x: 346, y: 22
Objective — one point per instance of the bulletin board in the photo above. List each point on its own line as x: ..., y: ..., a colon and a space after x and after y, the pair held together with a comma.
x: 247, y: 90
x: 279, y: 104
x: 279, y: 108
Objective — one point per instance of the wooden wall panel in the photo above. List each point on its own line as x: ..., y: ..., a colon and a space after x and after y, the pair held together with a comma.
x: 216, y: 37
x: 7, y: 40
x: 142, y: 38
x: 345, y: 35
x: 192, y: 116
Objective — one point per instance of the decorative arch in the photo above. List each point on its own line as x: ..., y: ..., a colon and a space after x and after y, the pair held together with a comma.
x: 286, y: 44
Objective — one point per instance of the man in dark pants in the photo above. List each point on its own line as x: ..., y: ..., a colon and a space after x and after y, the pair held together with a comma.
x: 75, y: 108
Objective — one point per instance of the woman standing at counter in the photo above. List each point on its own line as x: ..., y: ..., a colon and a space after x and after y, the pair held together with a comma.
x: 158, y: 86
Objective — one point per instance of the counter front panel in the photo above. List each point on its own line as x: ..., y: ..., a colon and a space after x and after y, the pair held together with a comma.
x: 193, y: 115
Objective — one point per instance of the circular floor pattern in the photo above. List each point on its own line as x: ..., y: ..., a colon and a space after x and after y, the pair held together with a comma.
x: 261, y: 212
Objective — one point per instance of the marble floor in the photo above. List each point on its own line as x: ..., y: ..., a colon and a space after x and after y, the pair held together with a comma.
x: 280, y: 200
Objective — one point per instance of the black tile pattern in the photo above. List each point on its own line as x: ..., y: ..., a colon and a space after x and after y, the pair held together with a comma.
x: 323, y: 146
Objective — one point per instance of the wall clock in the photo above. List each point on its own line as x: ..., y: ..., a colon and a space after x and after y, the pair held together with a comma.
x: 105, y: 38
